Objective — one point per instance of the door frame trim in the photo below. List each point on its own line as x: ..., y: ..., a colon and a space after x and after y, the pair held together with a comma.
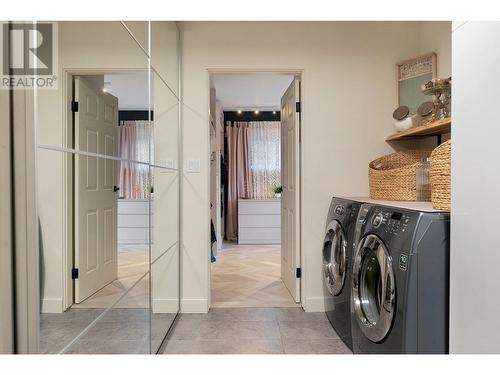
x: 68, y: 188
x: 297, y: 72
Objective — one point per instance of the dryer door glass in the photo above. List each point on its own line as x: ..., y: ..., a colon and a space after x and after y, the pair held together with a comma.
x: 373, y: 290
x: 334, y: 258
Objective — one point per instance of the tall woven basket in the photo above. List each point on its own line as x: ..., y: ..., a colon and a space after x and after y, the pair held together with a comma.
x: 393, y: 176
x: 440, y: 175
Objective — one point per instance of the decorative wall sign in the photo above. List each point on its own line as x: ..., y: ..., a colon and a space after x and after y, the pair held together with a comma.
x: 411, y: 74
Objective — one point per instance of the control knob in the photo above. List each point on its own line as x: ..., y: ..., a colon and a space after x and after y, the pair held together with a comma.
x: 377, y: 220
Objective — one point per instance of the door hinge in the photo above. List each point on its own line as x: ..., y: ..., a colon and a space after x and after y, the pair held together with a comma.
x: 297, y: 107
x: 74, y: 273
x: 74, y: 106
x: 298, y: 273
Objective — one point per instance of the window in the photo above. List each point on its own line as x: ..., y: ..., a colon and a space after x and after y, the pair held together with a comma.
x: 264, y: 149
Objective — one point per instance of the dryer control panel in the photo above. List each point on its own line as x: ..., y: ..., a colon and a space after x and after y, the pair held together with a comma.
x: 392, y: 222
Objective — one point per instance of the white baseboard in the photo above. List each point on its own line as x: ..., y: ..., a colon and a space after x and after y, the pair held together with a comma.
x: 52, y: 306
x: 314, y: 304
x: 165, y: 305
x: 194, y: 305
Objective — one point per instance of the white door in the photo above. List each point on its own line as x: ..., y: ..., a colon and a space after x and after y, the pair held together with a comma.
x: 96, y: 131
x: 290, y: 224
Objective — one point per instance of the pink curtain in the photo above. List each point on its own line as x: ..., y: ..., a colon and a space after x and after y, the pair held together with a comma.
x: 239, y: 176
x: 127, y: 152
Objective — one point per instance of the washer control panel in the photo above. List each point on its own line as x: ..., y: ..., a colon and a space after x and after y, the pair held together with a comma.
x: 393, y: 222
x: 377, y: 220
x: 339, y: 209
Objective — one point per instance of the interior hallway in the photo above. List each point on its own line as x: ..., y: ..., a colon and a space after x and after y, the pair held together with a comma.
x: 249, y: 276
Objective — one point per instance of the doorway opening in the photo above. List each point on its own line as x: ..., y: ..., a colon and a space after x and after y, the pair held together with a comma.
x: 255, y: 189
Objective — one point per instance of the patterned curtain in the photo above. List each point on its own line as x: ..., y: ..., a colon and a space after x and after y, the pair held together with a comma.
x: 264, y: 148
x: 239, y: 174
x: 136, y: 144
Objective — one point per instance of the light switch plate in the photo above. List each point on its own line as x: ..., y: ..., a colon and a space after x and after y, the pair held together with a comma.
x: 194, y: 166
x: 167, y: 163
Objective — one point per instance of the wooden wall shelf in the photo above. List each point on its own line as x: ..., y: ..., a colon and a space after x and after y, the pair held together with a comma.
x: 436, y: 128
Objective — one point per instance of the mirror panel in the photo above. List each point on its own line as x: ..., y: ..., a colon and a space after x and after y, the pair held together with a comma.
x: 112, y: 271
x: 165, y: 299
x: 123, y: 328
x: 165, y: 52
x: 111, y: 289
x: 89, y: 268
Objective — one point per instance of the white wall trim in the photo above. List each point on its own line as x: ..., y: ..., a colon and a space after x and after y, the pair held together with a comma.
x: 52, y: 306
x: 314, y: 304
x: 194, y: 305
x: 164, y: 305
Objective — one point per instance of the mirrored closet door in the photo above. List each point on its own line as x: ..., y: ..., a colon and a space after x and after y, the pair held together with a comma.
x: 107, y: 146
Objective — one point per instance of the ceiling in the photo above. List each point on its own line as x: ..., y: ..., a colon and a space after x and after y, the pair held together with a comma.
x: 131, y: 89
x: 250, y: 91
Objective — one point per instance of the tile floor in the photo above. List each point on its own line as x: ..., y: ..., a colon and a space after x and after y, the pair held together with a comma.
x: 125, y: 329
x: 119, y: 331
x: 58, y: 330
x: 249, y: 276
x: 255, y: 331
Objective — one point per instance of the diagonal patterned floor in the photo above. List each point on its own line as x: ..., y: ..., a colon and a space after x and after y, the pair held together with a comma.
x: 249, y: 276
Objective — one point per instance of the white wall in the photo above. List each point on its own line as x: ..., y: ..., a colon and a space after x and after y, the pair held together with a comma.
x: 349, y: 92
x: 475, y: 255
x: 436, y: 36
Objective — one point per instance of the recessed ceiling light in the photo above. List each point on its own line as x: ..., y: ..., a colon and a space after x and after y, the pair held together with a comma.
x: 256, y: 111
x: 239, y: 111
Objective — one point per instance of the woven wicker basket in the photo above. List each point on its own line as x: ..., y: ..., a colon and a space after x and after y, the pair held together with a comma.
x: 393, y: 176
x: 440, y: 175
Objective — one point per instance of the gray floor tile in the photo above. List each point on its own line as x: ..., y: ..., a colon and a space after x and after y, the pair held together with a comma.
x: 244, y: 346
x: 58, y: 330
x: 101, y: 346
x: 127, y: 315
x: 155, y: 345
x: 239, y: 330
x: 192, y: 318
x: 187, y: 328
x: 242, y: 314
x: 315, y: 346
x: 293, y: 314
x: 255, y: 330
x: 122, y: 330
x: 160, y: 324
x: 307, y: 330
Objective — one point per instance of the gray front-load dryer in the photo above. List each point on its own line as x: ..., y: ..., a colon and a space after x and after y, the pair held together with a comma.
x: 400, y: 281
x: 337, y: 256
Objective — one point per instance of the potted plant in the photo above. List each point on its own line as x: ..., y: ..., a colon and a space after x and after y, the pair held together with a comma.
x: 277, y: 190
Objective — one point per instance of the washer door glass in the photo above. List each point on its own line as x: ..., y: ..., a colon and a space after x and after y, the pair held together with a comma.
x: 334, y: 258
x: 373, y: 288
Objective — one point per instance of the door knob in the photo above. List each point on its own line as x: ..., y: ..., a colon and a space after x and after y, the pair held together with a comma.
x: 115, y: 188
